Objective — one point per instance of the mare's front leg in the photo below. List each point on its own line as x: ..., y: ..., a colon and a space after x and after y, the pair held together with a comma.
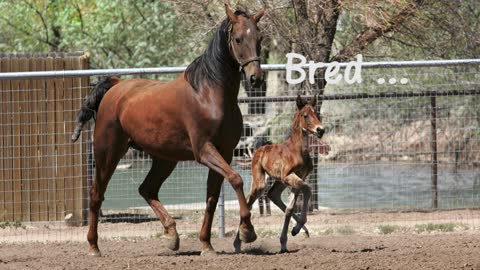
x: 210, y: 157
x: 256, y: 191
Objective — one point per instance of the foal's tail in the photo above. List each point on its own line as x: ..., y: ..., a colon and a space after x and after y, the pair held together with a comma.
x: 91, y: 103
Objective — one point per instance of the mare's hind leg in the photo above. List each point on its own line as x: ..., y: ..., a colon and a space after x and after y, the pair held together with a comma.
x: 160, y: 170
x: 256, y: 190
x: 214, y: 185
x: 109, y: 147
x: 275, y: 194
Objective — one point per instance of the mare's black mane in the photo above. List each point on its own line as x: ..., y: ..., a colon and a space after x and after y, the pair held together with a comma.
x: 215, y: 66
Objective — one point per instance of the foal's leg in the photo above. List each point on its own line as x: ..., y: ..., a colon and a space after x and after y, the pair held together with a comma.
x: 210, y: 157
x: 275, y: 194
x: 288, y: 216
x: 300, y: 185
x: 256, y: 190
x: 160, y: 170
x: 109, y: 148
x: 214, y: 185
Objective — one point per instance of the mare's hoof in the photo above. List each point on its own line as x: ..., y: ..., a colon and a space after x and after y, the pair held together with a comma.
x: 172, y: 242
x: 246, y: 235
x: 237, y: 245
x: 94, y: 252
x: 306, y: 234
x: 283, y: 250
x: 208, y: 252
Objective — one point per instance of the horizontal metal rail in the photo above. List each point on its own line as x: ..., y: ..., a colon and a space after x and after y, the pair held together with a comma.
x: 171, y: 70
x: 365, y: 95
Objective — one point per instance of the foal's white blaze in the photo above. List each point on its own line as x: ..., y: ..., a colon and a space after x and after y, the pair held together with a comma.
x: 248, y: 31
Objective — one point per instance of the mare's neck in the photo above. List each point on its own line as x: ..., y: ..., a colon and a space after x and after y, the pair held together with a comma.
x: 216, y: 69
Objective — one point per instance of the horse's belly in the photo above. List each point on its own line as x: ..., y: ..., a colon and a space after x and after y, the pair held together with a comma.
x: 164, y: 144
x: 161, y: 137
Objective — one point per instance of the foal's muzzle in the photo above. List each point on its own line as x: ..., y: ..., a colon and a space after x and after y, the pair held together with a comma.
x: 320, y: 132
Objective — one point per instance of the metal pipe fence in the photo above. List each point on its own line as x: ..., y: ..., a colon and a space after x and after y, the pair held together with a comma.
x: 402, y: 149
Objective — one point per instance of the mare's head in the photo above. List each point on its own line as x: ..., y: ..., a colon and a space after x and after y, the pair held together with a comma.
x: 307, y: 118
x: 245, y: 43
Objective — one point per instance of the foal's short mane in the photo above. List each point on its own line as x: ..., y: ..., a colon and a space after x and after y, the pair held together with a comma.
x: 211, y: 65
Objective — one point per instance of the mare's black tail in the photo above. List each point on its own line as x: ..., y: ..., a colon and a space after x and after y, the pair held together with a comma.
x: 91, y: 103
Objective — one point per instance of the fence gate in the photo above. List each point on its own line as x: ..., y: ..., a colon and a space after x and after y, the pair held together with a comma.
x: 43, y: 176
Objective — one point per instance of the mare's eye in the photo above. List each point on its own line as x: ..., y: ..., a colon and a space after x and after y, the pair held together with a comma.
x: 238, y: 40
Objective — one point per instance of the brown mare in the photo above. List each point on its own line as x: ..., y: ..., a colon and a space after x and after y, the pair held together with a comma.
x: 194, y: 117
x: 288, y: 164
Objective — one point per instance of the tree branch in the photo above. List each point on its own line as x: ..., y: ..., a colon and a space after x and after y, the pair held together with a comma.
x: 368, y: 36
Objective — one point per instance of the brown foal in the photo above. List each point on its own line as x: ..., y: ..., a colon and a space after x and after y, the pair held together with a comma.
x: 289, y: 164
x: 194, y: 117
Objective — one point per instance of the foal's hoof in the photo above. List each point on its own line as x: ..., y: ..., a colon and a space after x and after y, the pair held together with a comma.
x: 208, y: 252
x: 172, y: 242
x: 296, y: 230
x: 283, y: 250
x: 94, y: 252
x: 247, y: 235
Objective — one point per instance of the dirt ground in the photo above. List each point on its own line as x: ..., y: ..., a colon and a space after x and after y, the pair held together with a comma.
x: 390, y: 240
x: 455, y: 250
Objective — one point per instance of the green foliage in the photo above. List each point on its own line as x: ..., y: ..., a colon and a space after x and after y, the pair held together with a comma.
x: 116, y: 33
x: 10, y: 224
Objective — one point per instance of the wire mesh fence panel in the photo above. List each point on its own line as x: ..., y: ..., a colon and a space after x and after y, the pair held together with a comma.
x: 373, y: 169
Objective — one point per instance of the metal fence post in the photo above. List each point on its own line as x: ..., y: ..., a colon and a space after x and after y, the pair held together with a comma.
x: 221, y: 214
x: 433, y: 121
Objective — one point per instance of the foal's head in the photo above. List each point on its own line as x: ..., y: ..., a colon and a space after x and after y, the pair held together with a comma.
x: 245, y: 43
x: 307, y: 118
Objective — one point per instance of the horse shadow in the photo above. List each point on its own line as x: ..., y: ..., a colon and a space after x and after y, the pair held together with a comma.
x: 127, y: 218
x: 251, y: 251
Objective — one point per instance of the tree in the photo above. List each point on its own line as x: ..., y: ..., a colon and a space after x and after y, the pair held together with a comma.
x: 115, y: 33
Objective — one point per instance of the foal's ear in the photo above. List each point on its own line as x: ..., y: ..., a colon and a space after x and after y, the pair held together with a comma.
x: 313, y: 102
x: 260, y: 13
x: 231, y: 15
x: 300, y: 102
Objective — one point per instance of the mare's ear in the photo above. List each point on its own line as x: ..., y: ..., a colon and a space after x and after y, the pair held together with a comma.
x: 260, y: 13
x: 231, y: 15
x: 300, y: 102
x: 313, y: 102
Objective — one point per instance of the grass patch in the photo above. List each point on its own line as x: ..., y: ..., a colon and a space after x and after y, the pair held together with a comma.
x: 14, y: 224
x: 387, y: 229
x: 268, y: 233
x: 345, y: 230
x: 328, y: 231
x: 192, y: 234
x: 438, y: 227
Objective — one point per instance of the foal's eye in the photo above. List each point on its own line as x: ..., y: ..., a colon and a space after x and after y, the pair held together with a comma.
x: 238, y: 40
x: 305, y: 116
